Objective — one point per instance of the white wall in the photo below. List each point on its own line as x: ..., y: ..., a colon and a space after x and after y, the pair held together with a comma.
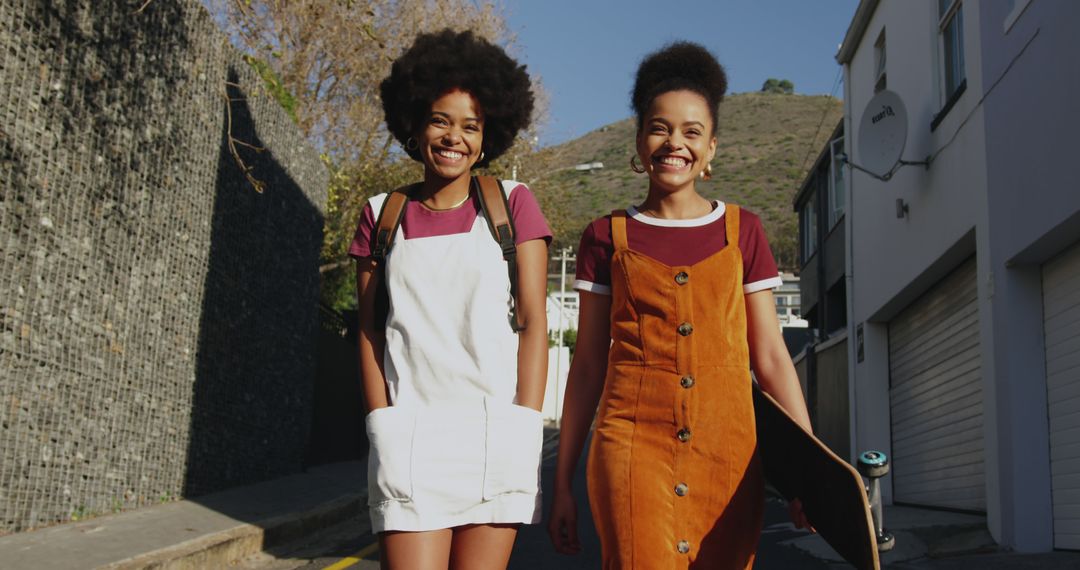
x: 891, y: 261
x: 569, y: 312
x: 945, y: 202
x: 558, y: 368
x: 1034, y: 213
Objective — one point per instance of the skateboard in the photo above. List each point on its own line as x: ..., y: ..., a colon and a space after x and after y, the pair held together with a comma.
x: 833, y: 495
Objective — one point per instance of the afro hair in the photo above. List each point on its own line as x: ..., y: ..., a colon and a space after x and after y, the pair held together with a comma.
x: 679, y: 66
x: 446, y: 60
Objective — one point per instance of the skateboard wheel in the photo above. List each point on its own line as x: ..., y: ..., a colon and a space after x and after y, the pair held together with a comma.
x: 885, y: 541
x: 873, y: 464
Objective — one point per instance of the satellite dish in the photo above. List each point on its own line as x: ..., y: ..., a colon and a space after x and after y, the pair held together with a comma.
x: 882, y: 133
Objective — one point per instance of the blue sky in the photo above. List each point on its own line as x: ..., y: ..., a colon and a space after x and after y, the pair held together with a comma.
x: 586, y: 51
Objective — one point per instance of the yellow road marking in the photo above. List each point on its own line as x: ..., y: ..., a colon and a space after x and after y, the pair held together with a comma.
x: 351, y: 560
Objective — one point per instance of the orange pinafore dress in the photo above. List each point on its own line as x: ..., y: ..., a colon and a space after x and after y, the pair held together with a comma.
x: 674, y: 477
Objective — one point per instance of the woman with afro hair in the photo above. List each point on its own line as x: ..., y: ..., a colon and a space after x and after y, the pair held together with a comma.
x: 676, y: 309
x: 453, y: 391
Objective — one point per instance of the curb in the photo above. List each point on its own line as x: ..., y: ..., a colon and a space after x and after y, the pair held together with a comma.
x: 225, y: 548
x: 218, y: 530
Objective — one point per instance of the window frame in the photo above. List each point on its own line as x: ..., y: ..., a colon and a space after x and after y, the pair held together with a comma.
x: 881, y: 61
x: 952, y: 14
x: 837, y: 196
x: 810, y: 240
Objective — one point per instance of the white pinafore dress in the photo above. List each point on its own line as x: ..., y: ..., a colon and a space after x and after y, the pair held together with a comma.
x: 452, y: 448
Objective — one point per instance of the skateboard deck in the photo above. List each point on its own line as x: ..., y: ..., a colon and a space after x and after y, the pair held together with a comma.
x: 832, y: 492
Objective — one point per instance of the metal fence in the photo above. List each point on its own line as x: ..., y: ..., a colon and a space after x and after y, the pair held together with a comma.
x: 158, y: 316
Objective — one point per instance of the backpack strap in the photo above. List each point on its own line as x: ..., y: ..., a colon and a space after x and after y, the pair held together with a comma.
x: 386, y: 227
x: 501, y: 225
x: 389, y: 220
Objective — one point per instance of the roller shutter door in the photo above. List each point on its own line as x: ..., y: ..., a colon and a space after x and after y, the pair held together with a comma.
x: 1061, y: 322
x: 935, y: 396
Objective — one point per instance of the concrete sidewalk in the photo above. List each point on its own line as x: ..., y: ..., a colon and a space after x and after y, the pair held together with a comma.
x: 930, y: 539
x: 214, y: 531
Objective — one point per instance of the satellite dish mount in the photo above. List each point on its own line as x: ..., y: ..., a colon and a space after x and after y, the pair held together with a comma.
x: 882, y: 136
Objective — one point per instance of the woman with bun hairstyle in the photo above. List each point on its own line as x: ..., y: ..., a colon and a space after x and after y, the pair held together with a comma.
x: 453, y: 391
x: 676, y: 309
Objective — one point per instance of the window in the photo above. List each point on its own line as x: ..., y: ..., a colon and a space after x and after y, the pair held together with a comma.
x: 880, y: 82
x: 951, y: 29
x: 809, y: 226
x: 836, y: 182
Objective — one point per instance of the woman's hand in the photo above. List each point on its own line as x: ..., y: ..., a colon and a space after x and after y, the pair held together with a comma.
x: 798, y: 517
x: 562, y: 523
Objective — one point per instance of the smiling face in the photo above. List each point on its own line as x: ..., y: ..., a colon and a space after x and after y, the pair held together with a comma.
x: 676, y: 140
x: 451, y: 140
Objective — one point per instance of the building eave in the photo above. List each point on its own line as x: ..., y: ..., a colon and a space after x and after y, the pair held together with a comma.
x: 856, y: 30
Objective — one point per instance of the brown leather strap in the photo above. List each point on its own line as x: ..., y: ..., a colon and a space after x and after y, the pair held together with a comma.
x: 618, y: 229
x: 501, y: 225
x: 386, y: 227
x: 493, y: 201
x: 731, y: 224
x: 387, y: 224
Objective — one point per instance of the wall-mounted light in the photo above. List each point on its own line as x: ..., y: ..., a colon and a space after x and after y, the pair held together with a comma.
x: 901, y: 208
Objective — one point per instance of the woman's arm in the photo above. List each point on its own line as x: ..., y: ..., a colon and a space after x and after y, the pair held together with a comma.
x: 532, y: 312
x: 372, y: 337
x: 769, y: 357
x: 584, y: 386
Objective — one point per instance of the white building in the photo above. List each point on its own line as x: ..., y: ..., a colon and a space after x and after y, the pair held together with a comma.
x: 562, y: 311
x: 963, y: 279
x: 788, y: 302
x: 564, y: 305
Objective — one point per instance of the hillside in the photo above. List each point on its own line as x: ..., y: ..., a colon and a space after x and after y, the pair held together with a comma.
x: 762, y: 144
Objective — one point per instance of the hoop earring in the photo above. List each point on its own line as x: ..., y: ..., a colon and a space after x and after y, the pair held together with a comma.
x: 706, y: 174
x: 635, y: 166
x: 411, y: 144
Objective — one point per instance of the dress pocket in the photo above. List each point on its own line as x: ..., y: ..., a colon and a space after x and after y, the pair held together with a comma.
x: 390, y: 432
x: 515, y: 436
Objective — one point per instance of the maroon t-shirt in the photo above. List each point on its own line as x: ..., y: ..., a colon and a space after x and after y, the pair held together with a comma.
x: 420, y: 222
x: 676, y: 242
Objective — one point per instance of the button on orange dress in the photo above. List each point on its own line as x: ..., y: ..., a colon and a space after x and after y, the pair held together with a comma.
x: 674, y: 478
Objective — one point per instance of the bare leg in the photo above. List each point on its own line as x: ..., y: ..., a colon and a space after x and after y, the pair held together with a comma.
x: 482, y: 546
x: 429, y: 550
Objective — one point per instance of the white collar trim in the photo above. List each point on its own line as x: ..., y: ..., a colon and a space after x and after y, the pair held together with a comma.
x: 709, y: 218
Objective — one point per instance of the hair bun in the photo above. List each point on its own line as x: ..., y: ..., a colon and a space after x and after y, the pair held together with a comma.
x: 677, y: 66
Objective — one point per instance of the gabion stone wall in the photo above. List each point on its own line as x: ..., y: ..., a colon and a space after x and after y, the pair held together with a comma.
x: 158, y: 316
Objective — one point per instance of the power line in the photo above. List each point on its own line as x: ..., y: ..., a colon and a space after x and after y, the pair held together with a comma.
x: 825, y: 113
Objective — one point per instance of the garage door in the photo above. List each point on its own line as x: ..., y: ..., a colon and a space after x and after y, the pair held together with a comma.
x: 1061, y: 319
x: 935, y: 395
